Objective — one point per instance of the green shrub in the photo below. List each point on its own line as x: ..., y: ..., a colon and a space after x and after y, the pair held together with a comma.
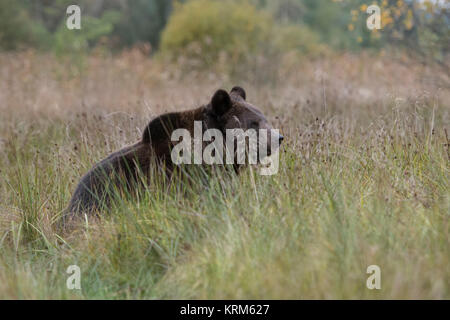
x: 77, y: 41
x: 205, y: 30
x: 298, y: 38
x: 233, y: 38
x: 16, y: 28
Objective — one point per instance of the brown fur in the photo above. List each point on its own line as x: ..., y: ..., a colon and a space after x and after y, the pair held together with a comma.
x: 225, y: 111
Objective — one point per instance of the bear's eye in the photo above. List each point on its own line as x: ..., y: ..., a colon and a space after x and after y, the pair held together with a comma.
x: 254, y: 124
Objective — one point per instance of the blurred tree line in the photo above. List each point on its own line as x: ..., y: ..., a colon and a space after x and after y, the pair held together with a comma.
x: 116, y: 23
x: 419, y: 25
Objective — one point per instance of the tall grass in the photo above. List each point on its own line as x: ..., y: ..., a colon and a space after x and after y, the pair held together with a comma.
x: 363, y: 179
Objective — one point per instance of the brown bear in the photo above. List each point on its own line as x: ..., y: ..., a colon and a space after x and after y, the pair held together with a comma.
x: 224, y: 111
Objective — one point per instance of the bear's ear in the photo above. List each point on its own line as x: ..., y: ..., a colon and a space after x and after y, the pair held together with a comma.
x: 221, y: 102
x: 239, y: 92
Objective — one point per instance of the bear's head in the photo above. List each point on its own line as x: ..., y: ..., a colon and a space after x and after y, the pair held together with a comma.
x: 236, y: 127
x: 230, y: 112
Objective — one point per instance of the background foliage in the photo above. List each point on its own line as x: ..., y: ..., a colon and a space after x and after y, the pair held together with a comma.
x: 238, y: 28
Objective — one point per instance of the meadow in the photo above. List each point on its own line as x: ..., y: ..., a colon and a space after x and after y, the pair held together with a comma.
x: 363, y: 180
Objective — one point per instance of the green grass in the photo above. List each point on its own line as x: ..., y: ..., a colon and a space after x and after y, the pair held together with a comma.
x: 362, y: 181
x: 310, y: 231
